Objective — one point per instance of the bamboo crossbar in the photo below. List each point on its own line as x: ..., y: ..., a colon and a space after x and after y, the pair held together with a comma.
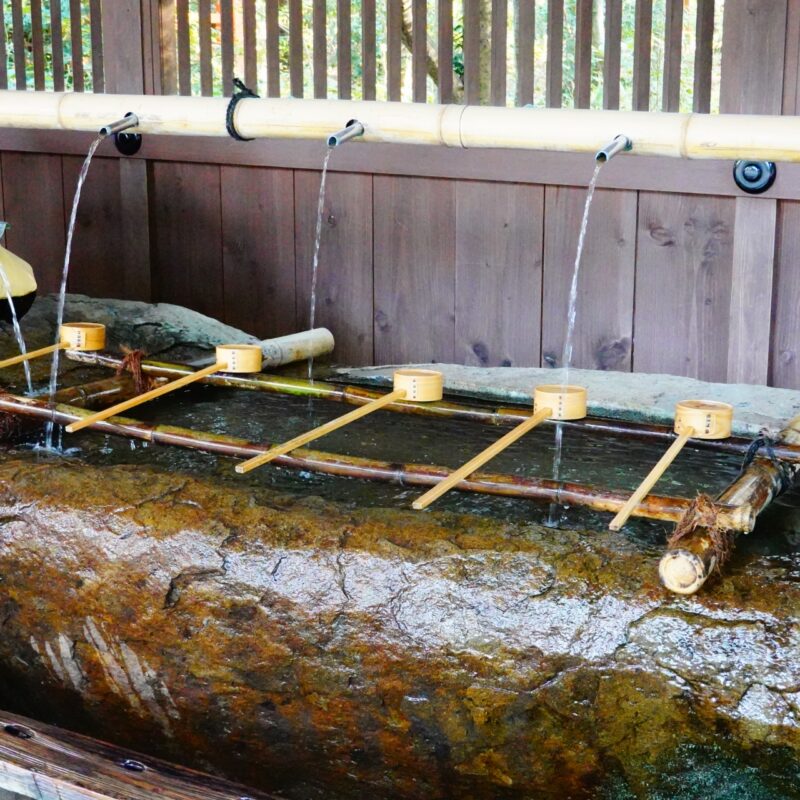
x: 484, y: 414
x: 656, y: 507
x: 702, y: 136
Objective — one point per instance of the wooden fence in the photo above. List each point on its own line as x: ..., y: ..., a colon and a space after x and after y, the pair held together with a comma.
x: 440, y: 254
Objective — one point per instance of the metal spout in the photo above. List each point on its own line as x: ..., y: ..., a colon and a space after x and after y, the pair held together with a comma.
x: 130, y: 120
x: 350, y: 131
x: 619, y: 144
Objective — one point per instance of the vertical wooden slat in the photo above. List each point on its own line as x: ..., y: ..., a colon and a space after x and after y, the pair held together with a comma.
x: 498, y: 45
x: 612, y: 54
x: 37, y: 45
x: 445, y: 51
x: 368, y: 49
x: 499, y: 239
x: 168, y: 41
x: 320, y: 47
x: 151, y: 52
x: 184, y: 62
x: 57, y: 42
x: 296, y: 48
x: 583, y: 53
x: 604, y: 327
x: 96, y: 24
x: 18, y: 40
x: 525, y: 37
x: 785, y: 343
x: 250, y: 46
x: 227, y: 34
x: 642, y: 47
x: 3, y: 53
x: 134, y: 235
x: 394, y: 20
x: 344, y: 276
x: 419, y: 50
x: 472, y: 51
x: 204, y: 36
x: 791, y: 71
x: 683, y: 280
x: 344, y: 50
x: 555, y: 53
x: 273, y: 50
x: 673, y: 40
x: 414, y: 247
x: 703, y: 55
x: 258, y: 227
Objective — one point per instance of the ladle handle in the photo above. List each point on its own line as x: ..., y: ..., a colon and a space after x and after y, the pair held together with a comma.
x: 43, y: 351
x: 446, y: 484
x: 652, y: 478
x: 144, y: 398
x: 322, y: 430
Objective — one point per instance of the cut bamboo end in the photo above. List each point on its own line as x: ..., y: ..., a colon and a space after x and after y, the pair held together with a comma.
x: 709, y: 419
x: 83, y: 335
x: 565, y: 402
x: 682, y: 572
x: 240, y: 358
x: 420, y: 385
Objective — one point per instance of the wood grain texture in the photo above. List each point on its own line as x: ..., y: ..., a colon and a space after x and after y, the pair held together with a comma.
x: 18, y: 40
x: 4, y: 54
x: 751, y: 290
x: 785, y: 341
x: 204, y: 40
x: 555, y: 53
x: 583, y: 53
x: 184, y: 59
x: 419, y: 50
x: 499, y: 240
x: 472, y: 51
x: 642, y: 48
x: 525, y: 33
x: 344, y: 275
x: 258, y: 250
x: 612, y: 54
x: 134, y: 230
x: 186, y: 225
x: 344, y: 50
x: 168, y: 45
x: 683, y: 285
x: 445, y: 51
x: 319, y: 37
x: 703, y: 56
x: 499, y: 37
x: 673, y: 41
x: 37, y: 231
x: 37, y: 44
x: 604, y: 329
x: 394, y: 22
x: 98, y: 61
x: 125, y: 72
x: 227, y: 34
x: 296, y: 48
x: 95, y: 264
x: 368, y: 50
x: 57, y: 46
x: 249, y: 39
x: 414, y: 251
x: 273, y: 49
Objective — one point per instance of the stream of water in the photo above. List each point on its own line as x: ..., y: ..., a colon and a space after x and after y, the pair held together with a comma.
x: 14, y: 319
x: 315, y: 260
x: 566, y: 356
x: 64, y: 275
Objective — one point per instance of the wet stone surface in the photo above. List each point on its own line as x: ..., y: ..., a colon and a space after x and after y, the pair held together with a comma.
x: 325, y: 651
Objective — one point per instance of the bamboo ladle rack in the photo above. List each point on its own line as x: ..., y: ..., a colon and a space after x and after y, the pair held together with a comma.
x: 550, y: 401
x: 72, y: 336
x: 235, y: 358
x: 416, y: 385
x: 694, y: 419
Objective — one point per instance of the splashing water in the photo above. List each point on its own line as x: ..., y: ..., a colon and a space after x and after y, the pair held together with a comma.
x: 64, y: 275
x: 315, y: 261
x: 566, y: 356
x: 14, y: 319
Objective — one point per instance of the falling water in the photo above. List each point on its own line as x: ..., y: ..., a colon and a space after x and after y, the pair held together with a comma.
x: 315, y: 261
x: 14, y: 320
x: 566, y: 356
x: 64, y: 275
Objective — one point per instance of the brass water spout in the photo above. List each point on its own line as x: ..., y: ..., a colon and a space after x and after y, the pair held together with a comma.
x: 350, y: 131
x: 619, y: 144
x: 130, y: 120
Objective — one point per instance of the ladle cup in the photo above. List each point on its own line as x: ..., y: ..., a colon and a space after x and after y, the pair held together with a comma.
x: 694, y: 419
x: 551, y: 401
x: 72, y: 336
x: 236, y: 358
x: 416, y: 385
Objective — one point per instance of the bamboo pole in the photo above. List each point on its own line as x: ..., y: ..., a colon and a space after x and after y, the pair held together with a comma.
x: 484, y: 414
x: 32, y: 354
x: 668, y: 509
x: 720, y: 136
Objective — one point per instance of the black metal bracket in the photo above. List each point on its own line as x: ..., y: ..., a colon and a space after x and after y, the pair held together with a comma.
x: 754, y: 177
x: 128, y: 144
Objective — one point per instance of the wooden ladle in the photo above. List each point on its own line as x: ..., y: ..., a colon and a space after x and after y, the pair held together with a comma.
x: 550, y: 401
x: 417, y: 385
x: 237, y: 358
x: 694, y: 419
x: 72, y: 336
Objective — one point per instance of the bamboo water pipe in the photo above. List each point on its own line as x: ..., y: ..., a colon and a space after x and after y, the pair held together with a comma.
x: 694, y: 419
x: 230, y: 358
x: 72, y: 336
x: 550, y: 402
x: 416, y: 385
x: 720, y: 136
